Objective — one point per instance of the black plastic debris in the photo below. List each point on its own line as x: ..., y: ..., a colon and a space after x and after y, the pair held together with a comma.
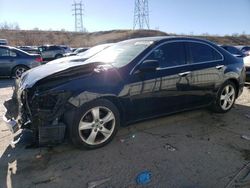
x: 97, y: 183
x: 246, y: 137
x: 170, y: 147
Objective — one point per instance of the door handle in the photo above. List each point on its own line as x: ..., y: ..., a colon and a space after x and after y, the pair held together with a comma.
x: 184, y: 73
x: 219, y: 67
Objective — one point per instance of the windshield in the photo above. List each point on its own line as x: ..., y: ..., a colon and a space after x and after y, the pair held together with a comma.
x: 93, y: 51
x: 78, y: 50
x: 121, y: 53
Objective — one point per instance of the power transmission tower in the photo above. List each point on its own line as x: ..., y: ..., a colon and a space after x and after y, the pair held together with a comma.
x: 141, y: 14
x: 78, y: 13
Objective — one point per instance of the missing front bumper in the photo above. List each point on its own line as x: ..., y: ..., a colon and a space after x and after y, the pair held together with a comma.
x: 11, y: 124
x: 43, y: 135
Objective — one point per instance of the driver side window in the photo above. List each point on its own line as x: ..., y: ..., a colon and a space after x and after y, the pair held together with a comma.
x: 169, y: 55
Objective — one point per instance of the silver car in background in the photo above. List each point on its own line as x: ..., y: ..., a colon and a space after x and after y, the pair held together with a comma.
x: 50, y: 52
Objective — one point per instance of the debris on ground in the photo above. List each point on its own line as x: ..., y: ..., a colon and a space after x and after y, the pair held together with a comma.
x: 143, y: 178
x: 97, y: 183
x: 189, y: 135
x: 38, y: 156
x: 127, y: 138
x: 44, y: 181
x: 245, y: 137
x: 170, y: 147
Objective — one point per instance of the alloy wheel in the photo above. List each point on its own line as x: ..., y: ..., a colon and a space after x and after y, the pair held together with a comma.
x: 96, y: 125
x: 19, y: 71
x: 227, y: 97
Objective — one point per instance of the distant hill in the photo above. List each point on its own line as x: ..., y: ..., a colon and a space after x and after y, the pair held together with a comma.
x: 74, y: 39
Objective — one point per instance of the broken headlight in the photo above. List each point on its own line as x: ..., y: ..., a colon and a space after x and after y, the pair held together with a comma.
x: 51, y: 100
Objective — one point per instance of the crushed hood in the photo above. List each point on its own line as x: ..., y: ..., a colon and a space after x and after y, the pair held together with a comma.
x: 34, y: 75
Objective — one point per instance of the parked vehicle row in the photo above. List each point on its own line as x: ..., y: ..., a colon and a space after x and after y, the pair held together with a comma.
x: 29, y: 49
x: 129, y: 81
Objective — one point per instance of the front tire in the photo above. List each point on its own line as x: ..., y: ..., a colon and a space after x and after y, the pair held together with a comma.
x: 225, y: 98
x: 95, y: 124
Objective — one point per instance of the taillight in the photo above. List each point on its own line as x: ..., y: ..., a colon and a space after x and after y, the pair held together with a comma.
x: 39, y: 59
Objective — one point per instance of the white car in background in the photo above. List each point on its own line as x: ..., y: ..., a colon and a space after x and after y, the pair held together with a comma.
x: 247, y: 65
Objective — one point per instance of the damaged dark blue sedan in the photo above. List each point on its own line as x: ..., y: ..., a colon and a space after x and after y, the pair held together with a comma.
x: 132, y: 80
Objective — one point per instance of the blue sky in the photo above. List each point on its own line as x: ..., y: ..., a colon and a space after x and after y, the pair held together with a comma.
x: 173, y: 16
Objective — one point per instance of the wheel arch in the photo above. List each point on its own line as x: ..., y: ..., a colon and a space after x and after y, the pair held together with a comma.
x: 118, y: 105
x: 236, y: 83
x: 81, y: 100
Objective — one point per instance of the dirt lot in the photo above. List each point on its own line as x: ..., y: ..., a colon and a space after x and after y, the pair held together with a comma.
x: 188, y: 150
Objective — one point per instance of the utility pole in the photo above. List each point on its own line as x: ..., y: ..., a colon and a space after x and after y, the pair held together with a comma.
x: 141, y: 14
x: 78, y: 13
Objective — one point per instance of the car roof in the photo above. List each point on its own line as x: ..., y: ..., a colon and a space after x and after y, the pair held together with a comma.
x: 164, y: 38
x: 6, y: 46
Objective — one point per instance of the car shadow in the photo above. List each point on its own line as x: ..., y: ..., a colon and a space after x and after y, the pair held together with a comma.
x: 21, y: 156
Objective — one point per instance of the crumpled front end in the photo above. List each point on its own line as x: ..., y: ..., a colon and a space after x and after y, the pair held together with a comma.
x: 43, y: 104
x: 41, y: 112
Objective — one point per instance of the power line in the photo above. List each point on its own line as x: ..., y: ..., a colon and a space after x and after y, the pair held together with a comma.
x: 78, y: 13
x: 141, y: 14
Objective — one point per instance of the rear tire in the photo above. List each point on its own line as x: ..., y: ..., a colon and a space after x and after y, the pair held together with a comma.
x: 95, y: 124
x: 225, y: 98
x: 18, y: 71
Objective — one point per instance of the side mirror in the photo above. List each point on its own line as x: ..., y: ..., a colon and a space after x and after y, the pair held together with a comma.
x: 149, y: 66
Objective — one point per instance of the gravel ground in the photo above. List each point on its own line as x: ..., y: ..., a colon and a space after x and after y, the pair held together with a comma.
x: 188, y: 150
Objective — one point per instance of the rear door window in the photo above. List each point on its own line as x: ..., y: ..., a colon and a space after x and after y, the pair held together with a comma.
x: 169, y: 55
x: 199, y: 53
